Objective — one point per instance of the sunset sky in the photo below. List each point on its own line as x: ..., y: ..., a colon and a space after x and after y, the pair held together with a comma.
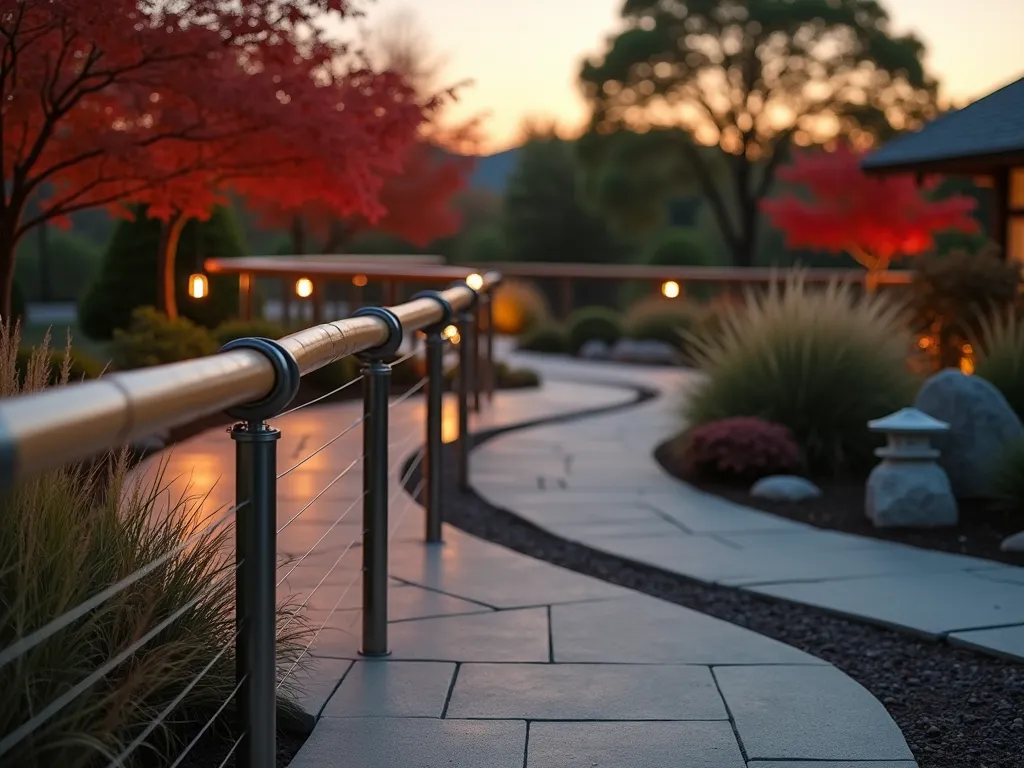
x: 523, y: 56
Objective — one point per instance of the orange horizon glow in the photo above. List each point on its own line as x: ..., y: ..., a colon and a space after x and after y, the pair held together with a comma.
x: 523, y: 58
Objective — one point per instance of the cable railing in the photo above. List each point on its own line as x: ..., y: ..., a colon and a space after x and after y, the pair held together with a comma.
x: 254, y: 381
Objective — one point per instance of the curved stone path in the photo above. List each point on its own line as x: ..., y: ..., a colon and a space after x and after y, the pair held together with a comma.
x: 503, y: 661
x: 600, y: 486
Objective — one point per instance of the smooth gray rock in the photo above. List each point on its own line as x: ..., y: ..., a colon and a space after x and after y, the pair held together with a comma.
x: 905, y: 494
x: 1013, y: 543
x: 647, y: 351
x: 982, y: 425
x: 785, y: 488
x: 594, y: 350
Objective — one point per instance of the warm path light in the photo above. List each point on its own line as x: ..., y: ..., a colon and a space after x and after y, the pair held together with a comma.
x: 359, y: 281
x: 475, y: 281
x: 198, y: 286
x: 303, y: 287
x: 670, y: 289
x: 452, y: 334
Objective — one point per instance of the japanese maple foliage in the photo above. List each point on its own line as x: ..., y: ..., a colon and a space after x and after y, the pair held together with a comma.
x: 419, y: 199
x: 168, y: 102
x: 874, y: 219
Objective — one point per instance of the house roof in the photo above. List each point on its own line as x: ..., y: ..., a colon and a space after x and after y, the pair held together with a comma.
x: 984, y: 135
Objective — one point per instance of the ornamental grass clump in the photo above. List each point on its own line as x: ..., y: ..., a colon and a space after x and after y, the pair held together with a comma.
x: 999, y: 356
x: 67, y: 536
x: 820, y: 361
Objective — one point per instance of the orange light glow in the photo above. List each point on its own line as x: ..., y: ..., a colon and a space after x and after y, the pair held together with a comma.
x: 359, y: 281
x: 670, y: 289
x: 475, y: 281
x: 303, y: 287
x: 967, y: 361
x: 198, y: 286
x: 452, y: 334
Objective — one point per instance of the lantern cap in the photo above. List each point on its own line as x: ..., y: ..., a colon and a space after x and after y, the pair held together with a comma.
x: 908, y: 421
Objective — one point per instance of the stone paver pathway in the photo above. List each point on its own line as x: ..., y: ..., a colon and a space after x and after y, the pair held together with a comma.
x: 502, y: 661
x: 595, y: 481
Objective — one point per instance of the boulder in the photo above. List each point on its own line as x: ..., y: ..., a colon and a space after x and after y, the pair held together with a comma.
x: 595, y: 349
x: 785, y: 488
x: 1013, y: 543
x: 910, y: 494
x: 981, y: 426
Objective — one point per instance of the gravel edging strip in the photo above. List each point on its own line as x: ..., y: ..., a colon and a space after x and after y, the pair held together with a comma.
x: 957, y: 708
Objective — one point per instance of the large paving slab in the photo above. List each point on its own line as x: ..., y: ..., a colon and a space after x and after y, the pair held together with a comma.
x: 1007, y: 641
x: 648, y: 631
x: 781, y: 713
x: 413, y: 743
x: 933, y: 604
x: 395, y: 689
x: 585, y: 692
x: 633, y: 745
x: 499, y: 660
x: 605, y: 500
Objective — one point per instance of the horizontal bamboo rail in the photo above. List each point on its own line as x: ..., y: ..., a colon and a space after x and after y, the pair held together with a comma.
x: 45, y: 430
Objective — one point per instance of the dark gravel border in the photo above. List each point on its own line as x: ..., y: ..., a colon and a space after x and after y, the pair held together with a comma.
x: 957, y: 708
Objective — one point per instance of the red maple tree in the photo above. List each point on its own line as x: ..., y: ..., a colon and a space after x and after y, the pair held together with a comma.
x: 419, y: 199
x: 167, y: 103
x: 874, y: 219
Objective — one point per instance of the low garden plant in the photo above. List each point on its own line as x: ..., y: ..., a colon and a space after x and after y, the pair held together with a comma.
x: 71, y: 533
x: 153, y: 339
x: 547, y: 337
x: 739, y: 450
x: 659, y: 319
x: 952, y: 293
x: 821, y: 362
x: 593, y: 324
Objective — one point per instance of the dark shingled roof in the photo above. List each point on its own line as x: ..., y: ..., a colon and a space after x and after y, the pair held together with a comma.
x: 969, y: 139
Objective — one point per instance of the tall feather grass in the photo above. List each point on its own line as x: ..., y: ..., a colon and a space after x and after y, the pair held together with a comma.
x: 821, y: 361
x: 999, y: 355
x: 66, y: 536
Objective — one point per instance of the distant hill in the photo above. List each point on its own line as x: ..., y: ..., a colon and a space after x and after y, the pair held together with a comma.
x: 492, y: 171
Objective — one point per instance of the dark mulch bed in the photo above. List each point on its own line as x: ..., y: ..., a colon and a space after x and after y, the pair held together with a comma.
x: 982, y: 527
x: 957, y: 708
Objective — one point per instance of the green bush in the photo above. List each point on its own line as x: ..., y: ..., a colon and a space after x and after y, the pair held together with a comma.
x: 152, y: 338
x: 999, y: 356
x: 67, y: 535
x: 243, y: 329
x: 507, y: 377
x: 822, y: 362
x: 73, y: 262
x: 951, y: 293
x: 546, y: 337
x: 593, y: 324
x: 129, y: 274
x: 672, y: 247
x: 661, y: 319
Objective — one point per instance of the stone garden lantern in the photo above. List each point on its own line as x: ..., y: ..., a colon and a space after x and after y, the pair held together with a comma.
x: 909, y: 489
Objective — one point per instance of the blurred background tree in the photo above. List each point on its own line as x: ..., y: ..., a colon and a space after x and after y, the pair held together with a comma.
x: 712, y: 94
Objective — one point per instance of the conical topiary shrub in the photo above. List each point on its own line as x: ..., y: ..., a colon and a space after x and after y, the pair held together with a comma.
x: 128, y: 275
